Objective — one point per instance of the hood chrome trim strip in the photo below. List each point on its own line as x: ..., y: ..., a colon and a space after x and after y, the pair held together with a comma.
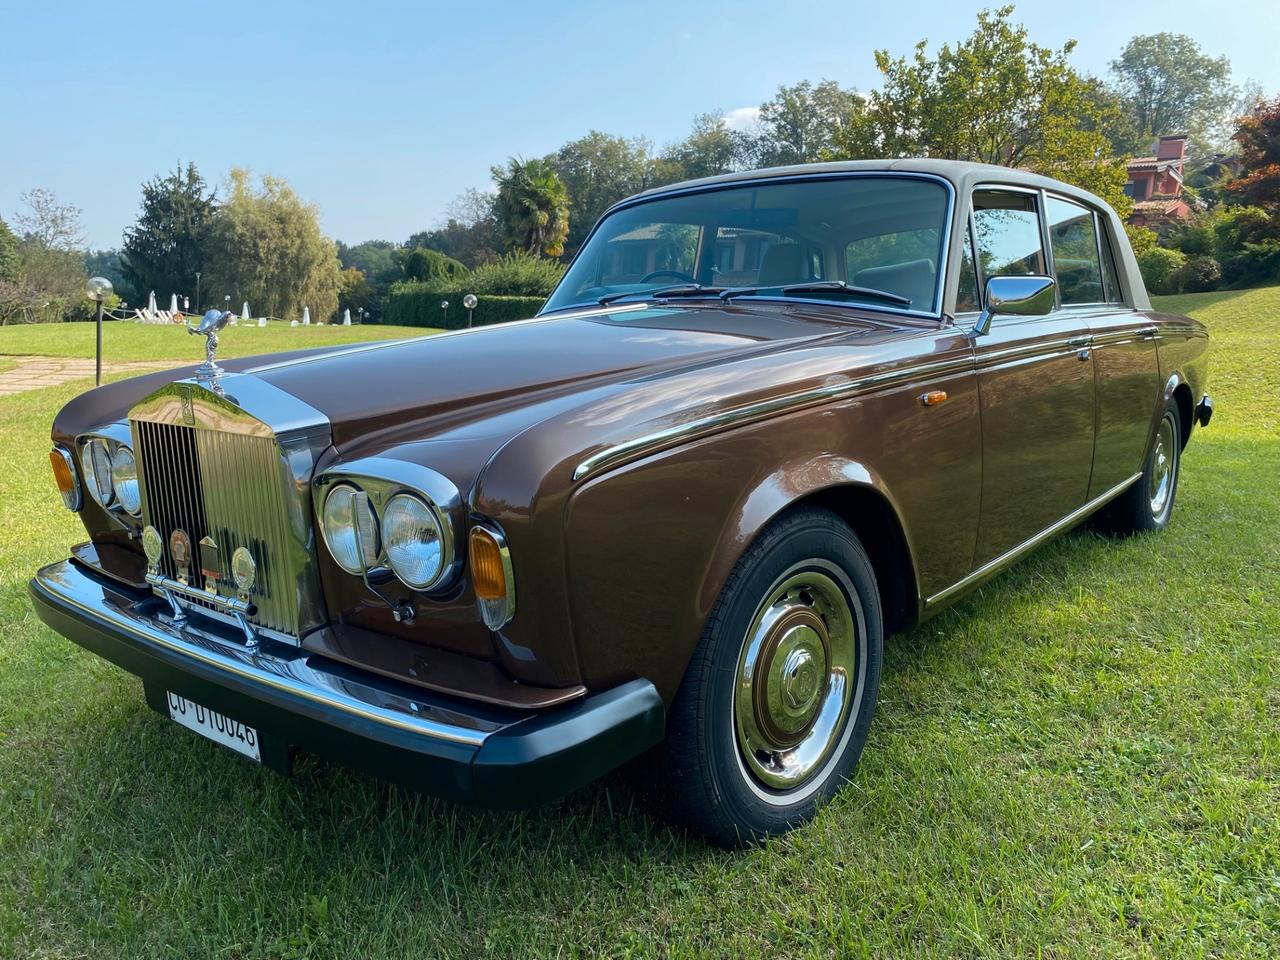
x: 738, y: 416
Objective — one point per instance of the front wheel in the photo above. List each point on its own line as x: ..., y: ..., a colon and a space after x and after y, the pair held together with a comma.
x: 775, y: 706
x: 1148, y: 504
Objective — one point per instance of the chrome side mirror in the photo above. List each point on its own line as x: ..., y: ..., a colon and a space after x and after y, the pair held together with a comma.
x: 1015, y: 297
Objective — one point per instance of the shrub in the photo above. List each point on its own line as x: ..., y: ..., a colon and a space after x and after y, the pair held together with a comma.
x: 1141, y: 239
x: 517, y: 275
x: 1160, y: 267
x: 1197, y: 275
x: 416, y: 304
x: 432, y: 266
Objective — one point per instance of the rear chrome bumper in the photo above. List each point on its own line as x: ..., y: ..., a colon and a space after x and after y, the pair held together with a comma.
x: 427, y: 741
x: 1204, y: 411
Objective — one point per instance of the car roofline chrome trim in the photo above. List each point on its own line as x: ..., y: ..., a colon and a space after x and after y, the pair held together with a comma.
x: 800, y: 175
x: 116, y: 618
x: 994, y: 566
x: 385, y: 344
x: 738, y: 416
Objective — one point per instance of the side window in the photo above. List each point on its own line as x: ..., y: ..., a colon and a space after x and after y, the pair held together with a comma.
x: 1008, y: 233
x: 1073, y: 235
x: 968, y: 298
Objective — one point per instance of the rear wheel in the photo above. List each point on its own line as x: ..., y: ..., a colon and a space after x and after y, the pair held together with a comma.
x: 775, y: 707
x: 1148, y: 504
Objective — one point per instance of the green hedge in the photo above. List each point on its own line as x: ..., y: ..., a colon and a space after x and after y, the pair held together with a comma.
x: 418, y: 305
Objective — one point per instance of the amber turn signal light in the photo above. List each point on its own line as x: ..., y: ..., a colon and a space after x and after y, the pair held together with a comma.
x: 488, y: 575
x: 64, y: 474
x: 492, y: 577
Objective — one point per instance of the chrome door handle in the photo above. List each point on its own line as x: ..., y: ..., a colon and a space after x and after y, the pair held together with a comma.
x: 1080, y: 341
x: 1148, y: 331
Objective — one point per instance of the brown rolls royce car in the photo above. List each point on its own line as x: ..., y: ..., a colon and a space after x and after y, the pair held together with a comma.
x: 764, y: 420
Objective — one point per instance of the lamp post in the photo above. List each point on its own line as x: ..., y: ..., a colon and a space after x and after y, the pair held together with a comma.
x: 98, y: 289
x: 469, y: 301
x: 360, y: 310
x: 444, y: 314
x: 197, y: 291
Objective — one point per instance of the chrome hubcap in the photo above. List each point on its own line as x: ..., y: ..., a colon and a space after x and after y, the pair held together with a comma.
x: 1164, y: 459
x: 796, y: 679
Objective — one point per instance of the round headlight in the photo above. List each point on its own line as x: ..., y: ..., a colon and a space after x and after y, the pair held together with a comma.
x: 95, y: 462
x: 414, y: 541
x: 124, y: 480
x: 338, y: 524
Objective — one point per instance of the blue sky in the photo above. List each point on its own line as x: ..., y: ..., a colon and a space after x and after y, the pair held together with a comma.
x: 382, y: 112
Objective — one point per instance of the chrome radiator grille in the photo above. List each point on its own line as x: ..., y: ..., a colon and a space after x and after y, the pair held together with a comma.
x: 234, y: 489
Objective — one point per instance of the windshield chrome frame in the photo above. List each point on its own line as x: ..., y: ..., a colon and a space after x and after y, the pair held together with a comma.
x: 944, y: 256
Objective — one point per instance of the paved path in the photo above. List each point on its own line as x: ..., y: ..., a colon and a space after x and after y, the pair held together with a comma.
x: 32, y: 373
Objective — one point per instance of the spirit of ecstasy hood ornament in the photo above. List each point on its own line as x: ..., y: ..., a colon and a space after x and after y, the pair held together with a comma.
x: 210, y: 325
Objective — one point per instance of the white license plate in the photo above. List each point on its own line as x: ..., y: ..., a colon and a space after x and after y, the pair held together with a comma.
x: 217, y: 727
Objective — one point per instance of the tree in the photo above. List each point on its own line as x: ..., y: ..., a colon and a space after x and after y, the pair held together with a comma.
x: 710, y: 149
x: 8, y: 253
x: 50, y: 273
x: 801, y: 123
x: 266, y: 246
x: 532, y: 206
x: 994, y: 97
x: 598, y: 170
x: 1258, y: 140
x: 48, y: 222
x: 470, y: 235
x: 354, y: 291
x: 1168, y: 85
x: 168, y: 244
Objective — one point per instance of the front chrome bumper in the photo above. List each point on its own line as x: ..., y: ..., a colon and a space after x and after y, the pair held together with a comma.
x: 462, y: 750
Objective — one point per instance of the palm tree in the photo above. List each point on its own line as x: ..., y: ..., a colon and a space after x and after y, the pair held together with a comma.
x: 532, y: 206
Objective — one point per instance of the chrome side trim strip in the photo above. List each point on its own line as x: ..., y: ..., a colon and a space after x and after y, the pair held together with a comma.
x: 65, y: 584
x: 738, y: 416
x: 385, y: 344
x: 994, y: 566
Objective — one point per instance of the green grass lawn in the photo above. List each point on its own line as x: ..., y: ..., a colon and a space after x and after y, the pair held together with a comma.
x: 136, y: 341
x: 1081, y: 760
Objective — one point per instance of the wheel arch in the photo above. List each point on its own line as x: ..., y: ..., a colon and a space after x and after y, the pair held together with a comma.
x: 1178, y: 390
x: 854, y: 493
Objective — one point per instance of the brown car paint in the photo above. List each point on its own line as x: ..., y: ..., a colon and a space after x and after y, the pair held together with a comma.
x: 617, y: 571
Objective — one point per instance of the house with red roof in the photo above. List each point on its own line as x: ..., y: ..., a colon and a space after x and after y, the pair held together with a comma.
x: 1155, y: 183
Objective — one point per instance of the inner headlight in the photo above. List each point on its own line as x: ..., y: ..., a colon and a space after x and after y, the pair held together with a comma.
x: 124, y: 480
x: 95, y: 463
x: 414, y: 541
x: 344, y: 508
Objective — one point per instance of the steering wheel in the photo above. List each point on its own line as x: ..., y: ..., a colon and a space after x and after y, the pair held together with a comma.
x: 667, y: 273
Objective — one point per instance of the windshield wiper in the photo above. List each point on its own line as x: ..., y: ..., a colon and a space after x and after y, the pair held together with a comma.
x: 682, y: 290
x: 822, y: 286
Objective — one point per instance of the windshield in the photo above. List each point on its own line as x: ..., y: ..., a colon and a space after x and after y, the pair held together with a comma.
x: 864, y: 240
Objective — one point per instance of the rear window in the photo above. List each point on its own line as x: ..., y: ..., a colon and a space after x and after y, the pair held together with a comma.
x: 1073, y: 236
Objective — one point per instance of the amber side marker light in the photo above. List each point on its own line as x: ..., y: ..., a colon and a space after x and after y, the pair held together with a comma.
x: 491, y: 576
x: 64, y: 474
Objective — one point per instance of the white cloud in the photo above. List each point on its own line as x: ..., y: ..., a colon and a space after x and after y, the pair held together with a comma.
x: 742, y: 118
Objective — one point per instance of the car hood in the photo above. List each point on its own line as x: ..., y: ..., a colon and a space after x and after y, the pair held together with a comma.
x: 492, y: 380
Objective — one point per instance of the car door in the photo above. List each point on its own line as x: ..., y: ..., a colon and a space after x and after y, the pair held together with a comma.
x: 1122, y: 342
x: 1036, y: 386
